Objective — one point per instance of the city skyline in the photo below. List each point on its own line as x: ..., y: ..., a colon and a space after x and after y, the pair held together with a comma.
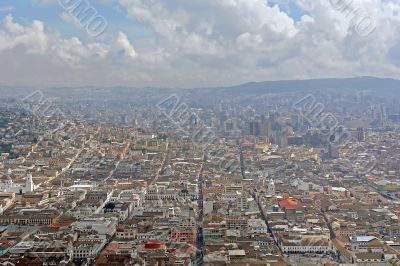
x: 200, y: 132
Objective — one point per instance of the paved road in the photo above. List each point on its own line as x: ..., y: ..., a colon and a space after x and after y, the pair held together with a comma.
x: 78, y: 153
x: 164, y: 162
x: 200, y: 237
x: 117, y: 164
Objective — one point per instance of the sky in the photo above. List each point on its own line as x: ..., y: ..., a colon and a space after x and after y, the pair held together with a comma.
x: 195, y: 43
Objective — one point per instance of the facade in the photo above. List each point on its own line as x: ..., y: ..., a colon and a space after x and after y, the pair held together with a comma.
x: 7, y: 185
x: 313, y: 244
x: 32, y: 218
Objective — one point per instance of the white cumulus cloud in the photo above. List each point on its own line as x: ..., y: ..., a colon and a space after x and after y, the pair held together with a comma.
x: 213, y: 42
x: 125, y: 45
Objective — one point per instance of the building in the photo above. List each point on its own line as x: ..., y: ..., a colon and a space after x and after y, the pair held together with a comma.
x: 254, y: 128
x: 305, y: 244
x: 360, y: 134
x: 35, y: 217
x: 100, y: 226
x: 7, y: 185
x: 271, y: 188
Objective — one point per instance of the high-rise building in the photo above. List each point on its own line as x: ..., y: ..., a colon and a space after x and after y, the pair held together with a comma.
x: 281, y: 139
x: 255, y: 129
x: 265, y: 127
x: 360, y: 134
x: 229, y: 125
x: 296, y: 122
x: 333, y: 151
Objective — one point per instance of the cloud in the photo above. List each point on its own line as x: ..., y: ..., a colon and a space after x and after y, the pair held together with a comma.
x: 32, y: 37
x: 215, y: 42
x: 45, y: 2
x: 125, y: 45
x: 26, y: 49
x: 6, y: 8
x: 71, y: 20
x: 250, y: 39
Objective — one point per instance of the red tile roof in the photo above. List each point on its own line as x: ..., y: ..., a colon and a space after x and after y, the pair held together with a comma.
x: 288, y: 203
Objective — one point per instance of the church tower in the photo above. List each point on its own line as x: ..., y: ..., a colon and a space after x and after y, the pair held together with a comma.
x: 271, y: 188
x: 354, y: 244
x: 29, y: 186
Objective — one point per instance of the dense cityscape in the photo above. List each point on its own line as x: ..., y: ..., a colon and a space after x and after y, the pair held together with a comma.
x: 200, y: 133
x: 282, y: 179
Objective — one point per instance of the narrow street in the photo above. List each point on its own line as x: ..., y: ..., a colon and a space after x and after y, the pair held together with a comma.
x: 242, y: 166
x: 253, y: 194
x: 200, y: 237
x: 164, y: 162
x: 127, y: 145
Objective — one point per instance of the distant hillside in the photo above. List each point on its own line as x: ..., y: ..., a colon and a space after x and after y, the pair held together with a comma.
x: 377, y: 86
x: 359, y: 83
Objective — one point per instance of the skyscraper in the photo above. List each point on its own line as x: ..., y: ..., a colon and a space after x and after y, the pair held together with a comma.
x: 360, y: 134
x: 255, y: 129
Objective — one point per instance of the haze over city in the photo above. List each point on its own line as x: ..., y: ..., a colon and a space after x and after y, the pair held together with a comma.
x: 200, y: 132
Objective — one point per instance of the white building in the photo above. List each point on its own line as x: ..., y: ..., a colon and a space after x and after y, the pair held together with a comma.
x: 271, y: 188
x: 89, y: 247
x: 208, y: 206
x: 7, y: 185
x: 312, y: 244
x: 257, y: 226
x: 102, y: 226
